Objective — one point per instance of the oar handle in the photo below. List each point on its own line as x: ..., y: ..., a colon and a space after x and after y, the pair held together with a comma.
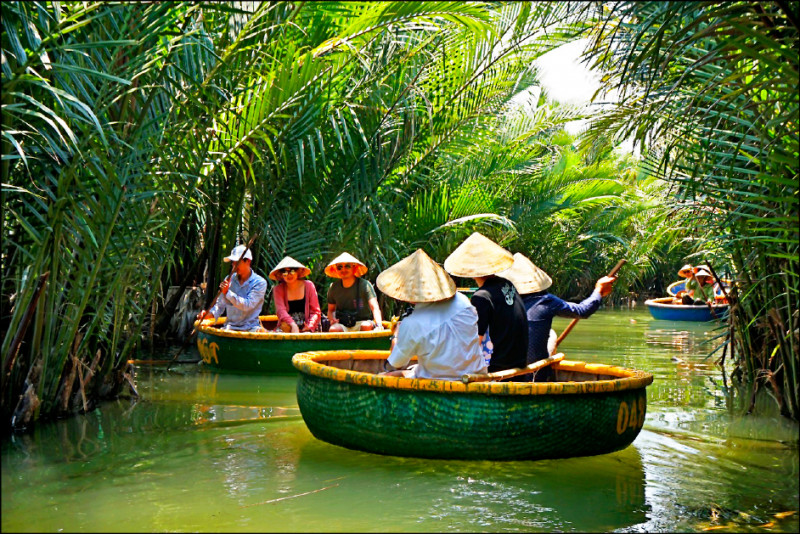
x: 572, y: 323
x: 508, y: 373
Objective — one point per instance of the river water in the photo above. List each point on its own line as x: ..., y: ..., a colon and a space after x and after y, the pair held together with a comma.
x: 216, y: 452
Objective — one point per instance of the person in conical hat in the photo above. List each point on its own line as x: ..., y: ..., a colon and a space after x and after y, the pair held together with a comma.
x: 242, y: 295
x: 501, y: 313
x: 442, y: 330
x: 686, y: 271
x: 541, y: 306
x: 699, y: 289
x: 352, y: 302
x: 296, y: 300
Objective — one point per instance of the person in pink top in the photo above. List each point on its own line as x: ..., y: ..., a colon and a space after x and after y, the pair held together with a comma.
x: 296, y: 301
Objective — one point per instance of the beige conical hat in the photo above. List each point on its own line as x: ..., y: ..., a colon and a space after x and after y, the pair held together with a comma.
x: 526, y: 276
x: 290, y: 262
x: 344, y: 257
x: 702, y: 273
x: 416, y: 278
x: 686, y: 271
x: 478, y: 256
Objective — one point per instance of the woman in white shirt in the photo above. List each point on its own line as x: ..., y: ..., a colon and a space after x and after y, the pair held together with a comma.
x: 442, y: 331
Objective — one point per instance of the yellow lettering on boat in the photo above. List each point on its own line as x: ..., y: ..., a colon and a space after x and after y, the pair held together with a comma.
x: 622, y: 417
x: 202, y: 348
x: 207, y: 352
x: 633, y: 418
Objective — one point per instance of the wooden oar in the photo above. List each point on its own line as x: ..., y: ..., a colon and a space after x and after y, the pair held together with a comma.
x: 233, y: 267
x: 572, y: 323
x: 721, y: 286
x: 508, y: 373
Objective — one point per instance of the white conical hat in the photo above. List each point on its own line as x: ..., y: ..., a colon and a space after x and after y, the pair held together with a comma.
x: 526, y: 276
x: 478, y: 256
x: 344, y: 257
x: 686, y: 271
x: 702, y: 273
x: 416, y: 278
x: 290, y: 262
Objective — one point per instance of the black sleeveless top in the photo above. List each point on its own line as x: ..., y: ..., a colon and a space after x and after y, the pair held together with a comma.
x: 297, y: 306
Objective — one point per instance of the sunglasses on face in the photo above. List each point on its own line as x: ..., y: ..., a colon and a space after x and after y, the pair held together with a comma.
x: 288, y: 271
x: 341, y: 266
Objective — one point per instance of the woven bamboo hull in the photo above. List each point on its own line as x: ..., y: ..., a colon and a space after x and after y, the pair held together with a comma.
x: 272, y: 353
x: 664, y: 310
x: 478, y: 421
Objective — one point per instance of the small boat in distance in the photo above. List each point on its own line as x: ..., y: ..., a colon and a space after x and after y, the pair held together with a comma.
x: 591, y: 409
x: 680, y: 286
x: 270, y: 352
x: 666, y: 309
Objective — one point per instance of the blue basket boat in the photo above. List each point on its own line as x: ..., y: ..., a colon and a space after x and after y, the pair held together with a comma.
x: 665, y: 310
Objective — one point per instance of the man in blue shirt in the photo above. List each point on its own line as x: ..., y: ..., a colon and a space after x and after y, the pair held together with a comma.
x: 540, y: 307
x: 242, y: 295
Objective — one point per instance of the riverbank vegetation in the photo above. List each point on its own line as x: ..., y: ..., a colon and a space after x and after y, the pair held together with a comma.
x: 142, y: 141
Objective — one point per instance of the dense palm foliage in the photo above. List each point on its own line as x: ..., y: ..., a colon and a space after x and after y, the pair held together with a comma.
x: 141, y: 141
x: 710, y: 90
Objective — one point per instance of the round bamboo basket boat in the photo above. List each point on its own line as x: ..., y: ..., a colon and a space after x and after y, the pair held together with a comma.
x: 269, y: 352
x: 664, y: 310
x: 592, y: 409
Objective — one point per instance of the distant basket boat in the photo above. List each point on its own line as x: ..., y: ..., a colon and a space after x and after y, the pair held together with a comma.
x: 592, y: 409
x: 268, y: 352
x: 664, y: 309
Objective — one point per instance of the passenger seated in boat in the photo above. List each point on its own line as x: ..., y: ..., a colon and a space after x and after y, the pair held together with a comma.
x: 540, y: 307
x: 242, y: 295
x: 442, y: 330
x: 296, y: 301
x: 500, y: 308
x: 687, y: 271
x: 352, y: 303
x: 699, y: 289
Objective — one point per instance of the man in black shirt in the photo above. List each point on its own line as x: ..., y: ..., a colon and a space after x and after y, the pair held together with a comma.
x: 500, y: 308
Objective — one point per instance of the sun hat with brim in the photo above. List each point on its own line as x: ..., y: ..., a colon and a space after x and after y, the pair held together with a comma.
x: 236, y: 254
x: 686, y: 271
x: 416, y: 278
x: 526, y: 276
x: 290, y: 263
x: 359, y: 268
x: 478, y: 256
x: 702, y: 272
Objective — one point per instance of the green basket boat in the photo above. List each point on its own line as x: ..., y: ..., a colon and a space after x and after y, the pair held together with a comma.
x: 268, y: 352
x: 592, y: 409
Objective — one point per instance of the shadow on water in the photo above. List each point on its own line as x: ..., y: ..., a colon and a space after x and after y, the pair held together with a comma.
x: 578, y: 494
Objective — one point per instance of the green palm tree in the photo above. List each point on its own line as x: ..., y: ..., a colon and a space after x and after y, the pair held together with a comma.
x: 710, y: 91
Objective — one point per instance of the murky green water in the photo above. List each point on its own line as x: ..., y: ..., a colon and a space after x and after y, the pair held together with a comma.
x: 210, y: 452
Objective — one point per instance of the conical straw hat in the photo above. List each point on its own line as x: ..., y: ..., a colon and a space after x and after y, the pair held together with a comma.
x: 478, y: 256
x: 702, y: 273
x: 526, y: 276
x: 686, y: 271
x: 289, y: 262
x: 416, y: 278
x: 344, y: 257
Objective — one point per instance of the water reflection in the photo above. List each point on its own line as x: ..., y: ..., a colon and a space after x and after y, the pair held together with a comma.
x: 582, y: 494
x: 206, y: 451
